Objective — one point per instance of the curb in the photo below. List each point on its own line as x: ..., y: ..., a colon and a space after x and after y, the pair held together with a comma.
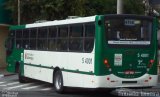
x: 4, y: 75
x: 9, y: 74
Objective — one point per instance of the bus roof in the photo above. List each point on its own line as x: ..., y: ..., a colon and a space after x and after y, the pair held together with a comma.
x: 55, y: 22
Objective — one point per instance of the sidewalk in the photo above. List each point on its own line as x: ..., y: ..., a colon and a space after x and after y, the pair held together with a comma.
x: 4, y: 72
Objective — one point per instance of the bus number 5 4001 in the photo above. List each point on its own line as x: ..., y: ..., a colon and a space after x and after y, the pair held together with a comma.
x: 86, y: 60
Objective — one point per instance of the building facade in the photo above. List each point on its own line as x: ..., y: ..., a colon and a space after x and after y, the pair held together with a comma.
x: 5, y: 20
x: 3, y: 36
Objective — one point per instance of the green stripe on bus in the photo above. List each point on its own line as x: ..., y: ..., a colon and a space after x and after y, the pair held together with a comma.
x: 77, y: 71
x: 66, y: 70
x: 17, y: 27
x: 39, y: 66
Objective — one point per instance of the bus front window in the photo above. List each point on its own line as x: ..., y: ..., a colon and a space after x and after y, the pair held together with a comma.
x: 128, y: 31
x: 9, y: 44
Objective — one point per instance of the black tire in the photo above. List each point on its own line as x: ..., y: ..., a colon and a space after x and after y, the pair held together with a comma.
x: 58, y: 82
x: 21, y: 78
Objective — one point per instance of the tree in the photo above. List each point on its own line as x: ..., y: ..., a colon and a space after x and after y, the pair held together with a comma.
x: 33, y: 10
x: 134, y: 7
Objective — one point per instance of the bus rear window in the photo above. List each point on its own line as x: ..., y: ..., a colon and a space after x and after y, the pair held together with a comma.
x: 128, y: 31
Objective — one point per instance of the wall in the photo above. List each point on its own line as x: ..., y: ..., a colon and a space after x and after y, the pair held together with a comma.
x: 3, y: 35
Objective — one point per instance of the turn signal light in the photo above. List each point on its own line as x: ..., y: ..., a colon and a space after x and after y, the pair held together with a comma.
x: 106, y: 63
x: 150, y: 63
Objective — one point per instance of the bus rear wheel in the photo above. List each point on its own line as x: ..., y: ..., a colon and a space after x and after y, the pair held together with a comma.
x: 58, y: 82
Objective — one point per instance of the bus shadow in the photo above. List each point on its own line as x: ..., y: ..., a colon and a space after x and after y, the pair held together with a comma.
x: 89, y: 92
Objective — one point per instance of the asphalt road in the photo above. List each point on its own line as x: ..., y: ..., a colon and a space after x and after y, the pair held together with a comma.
x: 10, y: 87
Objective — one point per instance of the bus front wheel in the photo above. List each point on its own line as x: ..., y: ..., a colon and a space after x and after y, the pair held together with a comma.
x: 58, y: 82
x: 21, y: 78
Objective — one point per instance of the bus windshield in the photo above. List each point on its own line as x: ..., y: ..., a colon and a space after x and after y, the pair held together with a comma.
x: 9, y: 43
x: 128, y: 31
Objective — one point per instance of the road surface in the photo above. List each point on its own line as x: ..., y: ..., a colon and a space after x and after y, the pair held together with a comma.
x: 10, y: 87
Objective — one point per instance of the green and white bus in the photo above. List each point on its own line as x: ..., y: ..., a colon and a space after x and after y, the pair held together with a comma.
x: 102, y: 51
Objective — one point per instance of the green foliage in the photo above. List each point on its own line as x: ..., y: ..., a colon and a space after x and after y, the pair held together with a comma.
x: 134, y: 7
x: 33, y: 10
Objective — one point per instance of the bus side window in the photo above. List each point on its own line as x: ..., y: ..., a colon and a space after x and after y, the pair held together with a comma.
x: 76, y: 38
x: 42, y: 43
x: 12, y: 36
x: 89, y: 37
x: 52, y: 35
x: 33, y: 38
x: 18, y: 39
x: 25, y: 42
x: 9, y: 42
x: 62, y: 39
